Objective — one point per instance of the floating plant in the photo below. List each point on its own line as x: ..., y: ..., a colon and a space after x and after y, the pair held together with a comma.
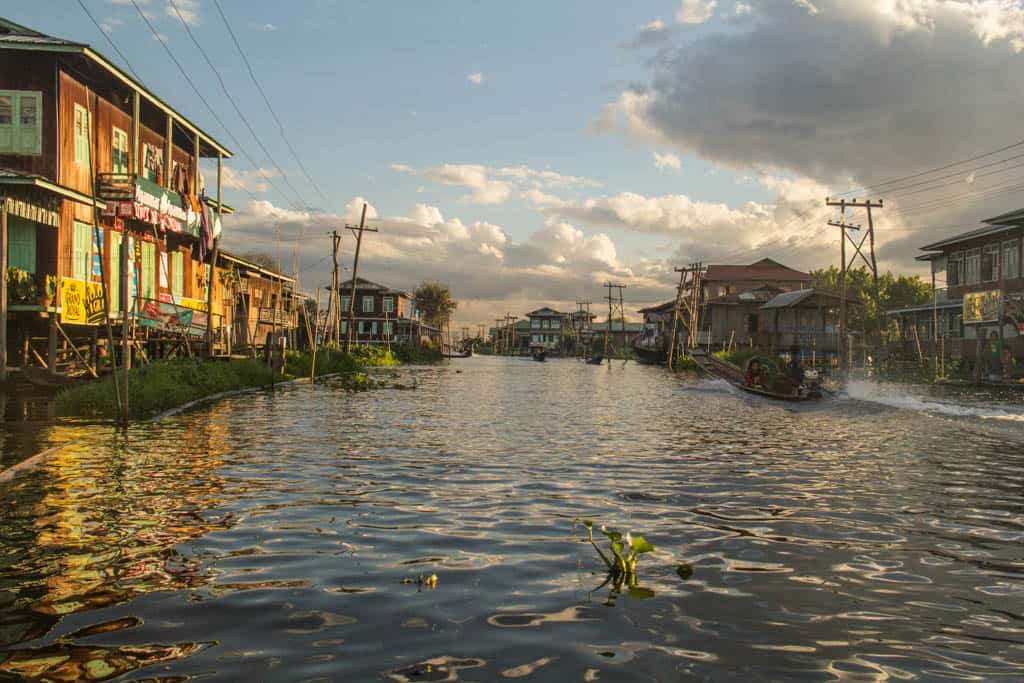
x: 624, y: 551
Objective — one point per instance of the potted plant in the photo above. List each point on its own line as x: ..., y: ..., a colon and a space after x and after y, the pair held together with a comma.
x: 48, y: 292
x: 21, y: 286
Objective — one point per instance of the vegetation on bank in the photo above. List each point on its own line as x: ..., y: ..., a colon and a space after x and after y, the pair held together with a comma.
x: 739, y: 357
x: 683, y: 363
x: 163, y: 385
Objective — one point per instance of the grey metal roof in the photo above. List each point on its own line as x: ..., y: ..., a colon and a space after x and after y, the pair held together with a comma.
x: 796, y: 297
x: 925, y: 307
x: 1016, y: 216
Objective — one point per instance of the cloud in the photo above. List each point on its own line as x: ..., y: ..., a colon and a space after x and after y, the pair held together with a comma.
x: 811, y: 8
x: 109, y: 24
x: 667, y: 161
x: 475, y: 78
x: 403, y: 168
x: 651, y: 33
x: 695, y: 11
x: 851, y: 92
x: 188, y: 10
x: 489, y: 272
x: 743, y: 9
x: 265, y: 27
x: 251, y: 181
x: 495, y: 185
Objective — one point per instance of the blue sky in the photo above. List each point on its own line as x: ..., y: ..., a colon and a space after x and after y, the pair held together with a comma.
x: 444, y: 116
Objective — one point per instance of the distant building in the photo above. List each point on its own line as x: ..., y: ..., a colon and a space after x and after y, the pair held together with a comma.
x: 732, y: 297
x: 383, y: 315
x: 620, y: 336
x: 548, y: 328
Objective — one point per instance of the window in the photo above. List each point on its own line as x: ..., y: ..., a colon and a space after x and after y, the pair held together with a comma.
x: 972, y: 267
x: 362, y: 327
x: 535, y: 323
x: 990, y: 263
x: 21, y: 243
x: 388, y: 304
x: 538, y: 338
x: 344, y: 327
x: 1011, y: 259
x: 346, y: 302
x: 81, y: 251
x: 119, y: 152
x: 81, y: 135
x: 152, y: 162
x: 147, y: 279
x: 373, y: 328
x: 368, y: 304
x: 955, y: 269
x: 21, y: 126
x: 388, y: 328
x: 751, y: 323
x: 177, y: 275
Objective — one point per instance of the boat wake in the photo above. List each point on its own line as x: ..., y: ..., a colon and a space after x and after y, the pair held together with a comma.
x: 896, y: 396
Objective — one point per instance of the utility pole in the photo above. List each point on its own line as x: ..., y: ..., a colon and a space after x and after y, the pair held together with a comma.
x: 332, y: 295
x: 846, y: 231
x: 496, y: 338
x: 611, y: 313
x: 683, y: 272
x: 358, y: 232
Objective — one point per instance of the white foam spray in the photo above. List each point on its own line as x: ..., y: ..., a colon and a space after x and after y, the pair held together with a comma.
x: 897, y: 396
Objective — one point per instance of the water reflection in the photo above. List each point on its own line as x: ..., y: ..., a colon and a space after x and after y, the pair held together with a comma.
x: 268, y: 536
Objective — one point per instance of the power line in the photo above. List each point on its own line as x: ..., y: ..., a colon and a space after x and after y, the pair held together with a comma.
x: 202, y: 99
x: 234, y: 104
x: 266, y: 101
x: 957, y: 176
x: 875, y: 186
x: 107, y: 36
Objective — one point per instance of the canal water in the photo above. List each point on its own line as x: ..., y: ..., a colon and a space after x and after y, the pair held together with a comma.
x: 874, y: 536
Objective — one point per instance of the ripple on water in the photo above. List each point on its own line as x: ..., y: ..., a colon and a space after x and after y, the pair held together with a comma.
x: 282, y: 536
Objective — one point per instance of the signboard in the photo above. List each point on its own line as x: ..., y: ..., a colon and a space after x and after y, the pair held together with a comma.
x: 97, y: 249
x: 156, y: 205
x: 983, y: 307
x: 194, y: 304
x: 172, y: 318
x: 81, y: 302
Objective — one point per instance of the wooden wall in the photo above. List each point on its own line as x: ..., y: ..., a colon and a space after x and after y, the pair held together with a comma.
x: 35, y: 71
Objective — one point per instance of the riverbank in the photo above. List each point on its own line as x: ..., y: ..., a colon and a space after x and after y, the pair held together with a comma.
x: 164, y: 385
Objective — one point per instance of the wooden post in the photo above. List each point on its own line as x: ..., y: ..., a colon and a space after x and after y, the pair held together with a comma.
x: 136, y: 151
x: 333, y: 307
x: 126, y: 349
x: 168, y: 152
x: 3, y: 289
x: 355, y: 274
x: 216, y: 248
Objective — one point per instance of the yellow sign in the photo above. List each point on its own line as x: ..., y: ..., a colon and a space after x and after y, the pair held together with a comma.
x: 982, y: 307
x: 194, y: 304
x: 81, y: 302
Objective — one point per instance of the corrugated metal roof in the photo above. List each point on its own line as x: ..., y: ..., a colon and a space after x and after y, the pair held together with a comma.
x: 617, y: 326
x: 765, y: 269
x: 787, y: 299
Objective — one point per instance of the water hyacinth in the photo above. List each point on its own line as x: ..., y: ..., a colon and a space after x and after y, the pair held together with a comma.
x: 625, y: 552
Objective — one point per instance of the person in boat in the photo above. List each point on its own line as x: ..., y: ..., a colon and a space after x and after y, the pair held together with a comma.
x: 755, y: 374
x: 795, y: 371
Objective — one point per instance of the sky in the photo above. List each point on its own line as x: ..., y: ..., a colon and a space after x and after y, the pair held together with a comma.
x: 525, y: 153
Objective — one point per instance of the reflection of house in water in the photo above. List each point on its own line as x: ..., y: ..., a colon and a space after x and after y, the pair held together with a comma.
x: 89, y: 550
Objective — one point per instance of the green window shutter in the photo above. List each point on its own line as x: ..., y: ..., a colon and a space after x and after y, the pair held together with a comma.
x: 177, y: 275
x: 30, y: 123
x: 8, y: 112
x: 21, y: 244
x: 81, y: 251
x: 147, y: 278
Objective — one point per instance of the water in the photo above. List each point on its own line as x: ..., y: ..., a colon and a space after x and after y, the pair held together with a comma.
x: 267, y: 536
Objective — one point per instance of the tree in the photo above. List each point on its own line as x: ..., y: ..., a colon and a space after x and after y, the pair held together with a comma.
x: 435, y: 303
x: 893, y: 292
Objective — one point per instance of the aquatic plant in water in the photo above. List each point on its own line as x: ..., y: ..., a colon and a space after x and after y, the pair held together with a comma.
x: 621, y: 560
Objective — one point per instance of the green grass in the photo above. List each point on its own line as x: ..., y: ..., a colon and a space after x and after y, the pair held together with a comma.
x: 163, y: 385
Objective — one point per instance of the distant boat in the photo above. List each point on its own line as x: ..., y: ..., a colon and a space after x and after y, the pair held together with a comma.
x: 595, y: 360
x: 538, y: 353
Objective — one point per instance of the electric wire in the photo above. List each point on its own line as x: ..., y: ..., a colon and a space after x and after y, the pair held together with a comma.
x: 106, y: 35
x: 266, y: 100
x: 234, y: 104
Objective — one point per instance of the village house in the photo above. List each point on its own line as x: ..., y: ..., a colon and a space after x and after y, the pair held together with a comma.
x: 549, y: 328
x: 90, y: 160
x: 256, y: 302
x: 732, y: 297
x: 979, y: 296
x: 383, y: 315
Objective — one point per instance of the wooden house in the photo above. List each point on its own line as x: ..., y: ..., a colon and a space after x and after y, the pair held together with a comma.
x: 549, y: 329
x: 255, y: 302
x: 91, y: 160
x: 383, y: 315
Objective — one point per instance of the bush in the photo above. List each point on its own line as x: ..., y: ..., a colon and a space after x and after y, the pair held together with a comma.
x: 419, y: 355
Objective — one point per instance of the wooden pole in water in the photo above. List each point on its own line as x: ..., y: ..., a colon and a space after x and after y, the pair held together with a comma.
x: 3, y: 289
x: 316, y: 337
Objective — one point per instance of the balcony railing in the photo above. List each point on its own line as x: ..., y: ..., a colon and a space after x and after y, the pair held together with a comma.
x: 271, y: 316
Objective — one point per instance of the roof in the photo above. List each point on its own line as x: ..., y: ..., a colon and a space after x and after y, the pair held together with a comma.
x: 800, y: 296
x: 17, y: 37
x: 363, y: 283
x: 545, y: 311
x: 1015, y: 216
x: 748, y: 296
x: 973, y: 234
x: 255, y: 266
x: 765, y: 269
x: 925, y: 307
x: 660, y: 308
x: 15, y: 178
